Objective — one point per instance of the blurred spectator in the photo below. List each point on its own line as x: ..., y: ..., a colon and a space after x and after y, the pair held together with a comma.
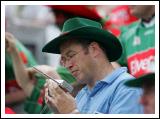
x: 147, y: 83
x: 64, y: 12
x: 15, y: 62
x: 33, y: 91
x: 15, y: 96
x: 119, y: 16
x: 138, y: 41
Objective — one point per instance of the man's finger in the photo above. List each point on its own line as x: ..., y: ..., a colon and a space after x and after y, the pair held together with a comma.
x: 59, y: 91
x: 46, y: 95
x: 51, y: 102
x: 45, y: 85
x: 56, y: 88
x: 51, y: 88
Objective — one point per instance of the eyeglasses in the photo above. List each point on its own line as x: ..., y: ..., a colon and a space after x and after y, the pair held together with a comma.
x: 68, y: 57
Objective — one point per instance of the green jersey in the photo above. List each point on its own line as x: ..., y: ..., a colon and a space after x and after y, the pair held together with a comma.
x: 138, y: 42
x: 35, y: 103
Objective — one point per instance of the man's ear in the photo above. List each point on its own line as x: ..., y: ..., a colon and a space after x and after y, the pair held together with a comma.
x: 94, y: 49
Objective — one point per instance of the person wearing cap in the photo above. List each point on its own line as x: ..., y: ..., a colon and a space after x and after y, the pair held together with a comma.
x: 64, y: 12
x: 138, y: 41
x: 147, y: 83
x: 26, y: 78
x: 86, y: 51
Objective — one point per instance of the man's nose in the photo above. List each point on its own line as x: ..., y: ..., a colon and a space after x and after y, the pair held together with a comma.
x: 69, y: 64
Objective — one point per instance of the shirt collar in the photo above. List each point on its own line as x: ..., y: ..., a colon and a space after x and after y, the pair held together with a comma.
x: 109, y: 78
x: 113, y: 76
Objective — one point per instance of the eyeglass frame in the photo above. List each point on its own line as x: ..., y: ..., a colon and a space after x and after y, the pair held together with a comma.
x: 69, y: 57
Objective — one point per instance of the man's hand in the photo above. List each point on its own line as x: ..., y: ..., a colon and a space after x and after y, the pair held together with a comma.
x: 59, y: 99
x: 10, y: 42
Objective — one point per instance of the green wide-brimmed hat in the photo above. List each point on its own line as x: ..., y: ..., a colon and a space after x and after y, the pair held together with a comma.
x: 86, y: 29
x: 148, y: 79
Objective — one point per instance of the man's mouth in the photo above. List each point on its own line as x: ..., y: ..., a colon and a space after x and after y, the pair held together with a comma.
x: 75, y: 73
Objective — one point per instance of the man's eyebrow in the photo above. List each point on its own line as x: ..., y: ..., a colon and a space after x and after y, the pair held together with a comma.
x: 68, y: 52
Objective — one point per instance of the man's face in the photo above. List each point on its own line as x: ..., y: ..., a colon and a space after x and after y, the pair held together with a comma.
x: 139, y: 10
x: 148, y: 100
x: 77, y: 60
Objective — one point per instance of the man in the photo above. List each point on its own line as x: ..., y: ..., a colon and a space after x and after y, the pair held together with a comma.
x: 86, y: 51
x: 138, y: 41
x: 147, y: 83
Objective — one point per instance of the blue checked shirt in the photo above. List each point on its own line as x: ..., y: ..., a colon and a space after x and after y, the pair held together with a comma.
x: 110, y: 96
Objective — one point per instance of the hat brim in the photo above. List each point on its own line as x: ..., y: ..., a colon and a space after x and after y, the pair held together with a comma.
x: 139, y: 82
x: 110, y: 42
